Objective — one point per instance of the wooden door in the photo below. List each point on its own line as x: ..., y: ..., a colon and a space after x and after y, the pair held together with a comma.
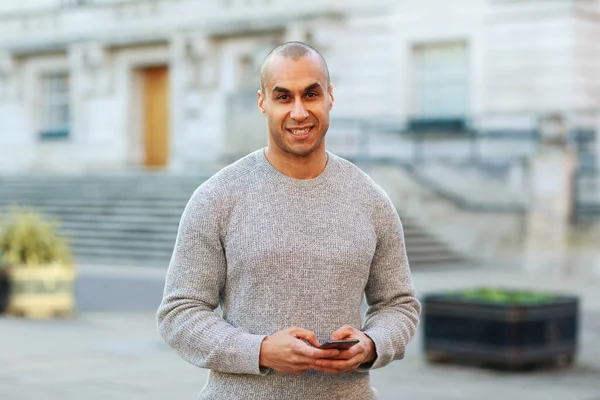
x: 156, y: 116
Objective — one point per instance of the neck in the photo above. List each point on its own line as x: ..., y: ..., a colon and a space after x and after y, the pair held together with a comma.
x: 298, y: 167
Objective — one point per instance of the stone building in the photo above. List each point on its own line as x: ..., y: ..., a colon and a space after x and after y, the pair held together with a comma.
x: 171, y: 84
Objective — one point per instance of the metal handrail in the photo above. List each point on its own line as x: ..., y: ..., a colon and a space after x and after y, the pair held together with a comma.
x: 586, y: 204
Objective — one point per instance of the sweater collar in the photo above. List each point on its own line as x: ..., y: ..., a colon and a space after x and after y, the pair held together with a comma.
x: 273, y: 172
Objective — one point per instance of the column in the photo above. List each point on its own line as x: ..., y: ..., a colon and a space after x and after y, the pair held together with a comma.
x: 547, y: 222
x: 195, y: 135
x: 8, y: 78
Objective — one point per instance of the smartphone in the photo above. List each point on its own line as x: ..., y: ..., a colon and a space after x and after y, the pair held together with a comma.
x: 343, y: 344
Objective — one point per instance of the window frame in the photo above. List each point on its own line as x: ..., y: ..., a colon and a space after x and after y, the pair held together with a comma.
x: 427, y: 84
x: 54, y: 101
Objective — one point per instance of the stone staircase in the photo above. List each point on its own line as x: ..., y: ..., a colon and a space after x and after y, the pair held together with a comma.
x: 424, y: 249
x: 132, y: 218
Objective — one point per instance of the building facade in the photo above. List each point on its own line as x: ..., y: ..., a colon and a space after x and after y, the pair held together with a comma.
x: 171, y: 84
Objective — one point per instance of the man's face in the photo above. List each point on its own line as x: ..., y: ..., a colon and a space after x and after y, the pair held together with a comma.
x: 296, y: 101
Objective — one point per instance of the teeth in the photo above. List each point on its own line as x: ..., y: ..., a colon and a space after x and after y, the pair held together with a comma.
x: 299, y: 132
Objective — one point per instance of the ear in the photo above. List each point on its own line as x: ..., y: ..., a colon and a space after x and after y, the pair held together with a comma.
x: 331, y: 97
x: 261, y: 102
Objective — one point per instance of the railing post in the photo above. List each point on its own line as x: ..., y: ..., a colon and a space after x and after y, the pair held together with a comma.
x: 417, y: 146
x: 574, y: 206
x: 363, y: 142
x: 473, y: 145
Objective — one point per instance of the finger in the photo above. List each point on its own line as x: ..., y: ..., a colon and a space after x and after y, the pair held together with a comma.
x: 303, y: 368
x: 299, y: 361
x: 315, y: 353
x: 311, y: 343
x: 348, y: 354
x: 326, y: 370
x: 344, y: 332
x: 340, y: 365
x: 306, y: 335
x: 300, y: 346
x: 355, y: 362
x: 357, y: 349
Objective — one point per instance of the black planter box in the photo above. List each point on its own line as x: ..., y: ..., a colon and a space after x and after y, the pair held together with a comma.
x: 500, y: 334
x: 4, y: 290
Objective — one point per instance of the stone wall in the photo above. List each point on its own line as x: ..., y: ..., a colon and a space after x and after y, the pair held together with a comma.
x: 485, y: 236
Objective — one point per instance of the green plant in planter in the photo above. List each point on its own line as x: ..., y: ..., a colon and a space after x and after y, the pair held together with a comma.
x: 29, y: 240
x: 36, y: 262
x: 502, y: 296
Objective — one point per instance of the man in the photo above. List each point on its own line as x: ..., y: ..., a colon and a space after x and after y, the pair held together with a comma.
x: 287, y: 240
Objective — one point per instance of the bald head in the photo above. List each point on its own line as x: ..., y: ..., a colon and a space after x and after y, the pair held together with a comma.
x: 293, y: 51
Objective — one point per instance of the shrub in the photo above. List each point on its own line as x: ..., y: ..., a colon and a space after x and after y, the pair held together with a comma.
x: 29, y: 240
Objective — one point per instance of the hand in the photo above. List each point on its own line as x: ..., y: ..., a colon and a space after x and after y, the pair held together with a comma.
x: 348, y: 360
x: 287, y: 353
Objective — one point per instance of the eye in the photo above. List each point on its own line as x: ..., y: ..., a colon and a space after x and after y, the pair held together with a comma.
x: 312, y: 94
x: 283, y: 97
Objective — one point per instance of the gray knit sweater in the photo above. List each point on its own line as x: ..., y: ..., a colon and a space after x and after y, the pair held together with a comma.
x: 276, y: 252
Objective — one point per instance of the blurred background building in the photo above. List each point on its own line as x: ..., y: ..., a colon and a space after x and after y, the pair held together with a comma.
x: 479, y: 118
x: 117, y: 84
x: 464, y: 96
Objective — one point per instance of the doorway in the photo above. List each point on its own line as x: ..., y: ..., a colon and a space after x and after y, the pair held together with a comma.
x: 155, y: 111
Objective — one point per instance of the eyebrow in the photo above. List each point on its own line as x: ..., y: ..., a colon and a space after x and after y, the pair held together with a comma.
x: 314, y: 86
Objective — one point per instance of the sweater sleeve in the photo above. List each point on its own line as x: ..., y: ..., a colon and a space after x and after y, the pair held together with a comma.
x: 393, y: 313
x: 195, y: 278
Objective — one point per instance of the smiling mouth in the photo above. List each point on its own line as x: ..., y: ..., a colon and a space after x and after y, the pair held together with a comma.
x: 300, y: 132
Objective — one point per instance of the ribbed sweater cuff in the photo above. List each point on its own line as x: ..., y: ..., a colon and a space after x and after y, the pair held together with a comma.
x: 383, y: 348
x: 248, y: 349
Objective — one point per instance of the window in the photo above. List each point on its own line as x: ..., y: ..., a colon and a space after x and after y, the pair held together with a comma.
x: 55, y: 105
x: 82, y: 3
x: 248, y: 72
x: 441, y: 80
x: 71, y: 3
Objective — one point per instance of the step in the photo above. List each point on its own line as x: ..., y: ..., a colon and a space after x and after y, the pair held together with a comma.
x: 104, y: 202
x: 434, y: 259
x: 410, y: 226
x: 117, y: 220
x: 431, y: 252
x: 73, y: 227
x: 107, y: 178
x: 63, y: 216
x: 139, y: 214
x: 124, y: 260
x: 107, y: 181
x: 422, y: 238
x: 125, y: 187
x: 117, y: 254
x: 123, y: 191
x: 119, y: 234
x: 427, y: 249
x: 131, y: 243
x: 134, y: 219
x: 418, y: 233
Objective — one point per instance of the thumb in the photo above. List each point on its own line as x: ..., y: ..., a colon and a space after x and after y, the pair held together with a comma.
x: 343, y: 333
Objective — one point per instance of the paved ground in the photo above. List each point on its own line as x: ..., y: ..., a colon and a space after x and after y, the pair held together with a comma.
x: 110, y: 349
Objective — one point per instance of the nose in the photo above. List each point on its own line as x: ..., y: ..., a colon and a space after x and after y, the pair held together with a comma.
x: 298, y: 113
